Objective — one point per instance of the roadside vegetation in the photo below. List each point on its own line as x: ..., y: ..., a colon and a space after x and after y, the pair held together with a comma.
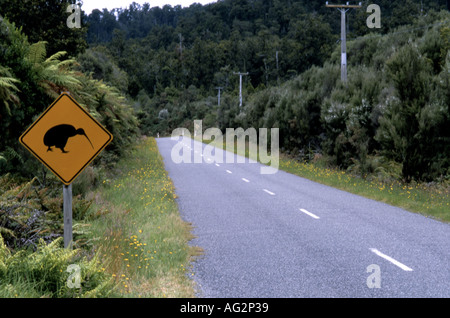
x: 33, y: 260
x: 129, y: 239
x: 142, y: 240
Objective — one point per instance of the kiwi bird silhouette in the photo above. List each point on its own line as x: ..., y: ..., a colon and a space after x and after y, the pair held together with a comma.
x: 59, y: 135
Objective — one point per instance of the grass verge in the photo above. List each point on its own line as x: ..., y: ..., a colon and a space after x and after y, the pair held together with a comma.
x: 143, y: 241
x: 429, y: 199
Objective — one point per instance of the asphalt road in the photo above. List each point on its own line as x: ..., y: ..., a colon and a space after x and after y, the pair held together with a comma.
x: 282, y: 236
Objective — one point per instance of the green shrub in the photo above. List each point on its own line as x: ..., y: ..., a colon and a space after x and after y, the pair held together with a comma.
x: 30, y: 212
x: 45, y: 273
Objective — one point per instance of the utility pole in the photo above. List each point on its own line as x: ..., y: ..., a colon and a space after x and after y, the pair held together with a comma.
x: 181, y: 43
x: 278, y: 70
x: 219, y: 88
x: 240, y: 86
x: 343, y: 8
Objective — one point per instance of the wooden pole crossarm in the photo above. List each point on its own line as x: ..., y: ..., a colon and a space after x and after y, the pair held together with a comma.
x: 349, y: 6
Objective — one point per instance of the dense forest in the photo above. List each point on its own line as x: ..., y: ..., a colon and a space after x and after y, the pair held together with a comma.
x: 168, y: 63
x: 202, y: 46
x: 393, y: 111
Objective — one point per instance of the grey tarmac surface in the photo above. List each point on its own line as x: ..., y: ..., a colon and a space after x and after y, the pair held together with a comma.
x: 282, y: 236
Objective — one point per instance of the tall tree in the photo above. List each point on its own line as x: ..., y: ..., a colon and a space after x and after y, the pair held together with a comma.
x: 46, y: 20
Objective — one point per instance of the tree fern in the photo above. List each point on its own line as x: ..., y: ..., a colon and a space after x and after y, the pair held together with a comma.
x: 56, y: 57
x: 37, y: 52
x: 7, y: 89
x: 53, y: 74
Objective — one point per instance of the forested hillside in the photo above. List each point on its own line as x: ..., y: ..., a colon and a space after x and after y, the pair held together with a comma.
x: 169, y: 62
x: 393, y: 114
x: 273, y: 40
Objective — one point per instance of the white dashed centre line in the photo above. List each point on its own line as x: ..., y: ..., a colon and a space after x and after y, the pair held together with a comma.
x: 310, y: 214
x: 229, y: 171
x: 217, y: 165
x: 269, y: 192
x: 245, y: 180
x: 393, y: 261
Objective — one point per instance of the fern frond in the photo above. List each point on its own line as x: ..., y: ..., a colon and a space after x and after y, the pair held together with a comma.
x: 37, y: 52
x: 4, y: 230
x: 55, y: 57
x: 7, y: 88
x: 8, y: 83
x: 10, y: 153
x: 4, y: 251
x: 56, y: 75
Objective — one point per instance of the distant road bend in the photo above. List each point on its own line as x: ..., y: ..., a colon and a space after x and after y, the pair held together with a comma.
x: 279, y: 235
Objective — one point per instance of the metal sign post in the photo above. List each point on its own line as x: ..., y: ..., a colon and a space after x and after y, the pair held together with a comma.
x: 67, y: 211
x: 67, y: 196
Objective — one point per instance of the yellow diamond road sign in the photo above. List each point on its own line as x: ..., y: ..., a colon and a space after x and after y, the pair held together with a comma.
x: 66, y: 138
